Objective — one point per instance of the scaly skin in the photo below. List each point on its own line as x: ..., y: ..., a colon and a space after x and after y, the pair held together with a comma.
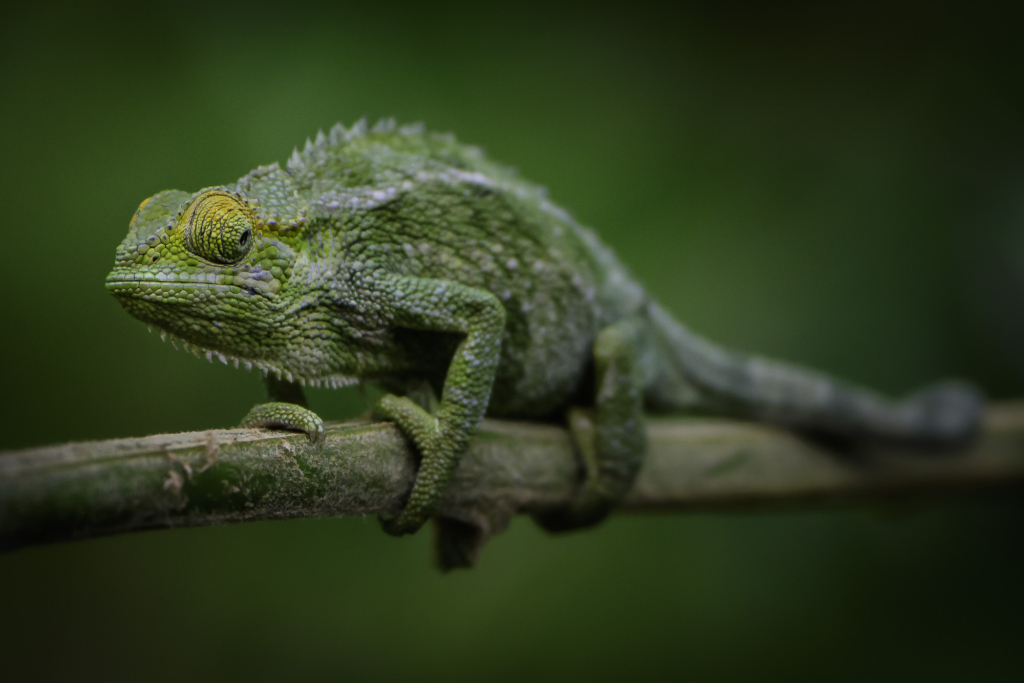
x: 403, y: 256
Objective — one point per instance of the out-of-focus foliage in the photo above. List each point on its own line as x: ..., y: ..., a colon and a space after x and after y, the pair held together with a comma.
x: 838, y: 186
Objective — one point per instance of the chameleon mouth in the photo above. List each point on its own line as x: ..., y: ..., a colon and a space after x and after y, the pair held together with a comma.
x: 149, y: 281
x: 124, y: 286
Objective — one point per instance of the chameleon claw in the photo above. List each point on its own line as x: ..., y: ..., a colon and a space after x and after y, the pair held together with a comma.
x: 286, y: 416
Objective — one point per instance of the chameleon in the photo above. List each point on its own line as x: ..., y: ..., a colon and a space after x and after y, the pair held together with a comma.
x: 404, y: 257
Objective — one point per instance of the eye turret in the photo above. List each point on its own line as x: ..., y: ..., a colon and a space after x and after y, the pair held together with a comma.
x: 218, y: 227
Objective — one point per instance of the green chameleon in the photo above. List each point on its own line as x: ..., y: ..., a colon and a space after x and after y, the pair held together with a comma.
x: 407, y: 258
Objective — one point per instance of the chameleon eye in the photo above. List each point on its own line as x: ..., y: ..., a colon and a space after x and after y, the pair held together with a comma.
x: 218, y: 227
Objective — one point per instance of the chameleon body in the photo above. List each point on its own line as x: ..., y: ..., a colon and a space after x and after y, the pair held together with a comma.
x: 405, y: 257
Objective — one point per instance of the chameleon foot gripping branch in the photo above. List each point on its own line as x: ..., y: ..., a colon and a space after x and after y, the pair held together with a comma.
x: 286, y: 416
x: 403, y: 256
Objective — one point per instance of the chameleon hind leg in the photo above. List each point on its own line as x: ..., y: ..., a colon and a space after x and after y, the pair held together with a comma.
x: 610, y: 437
x: 287, y: 410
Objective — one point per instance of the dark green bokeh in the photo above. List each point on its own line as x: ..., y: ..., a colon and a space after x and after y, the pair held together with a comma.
x: 836, y: 187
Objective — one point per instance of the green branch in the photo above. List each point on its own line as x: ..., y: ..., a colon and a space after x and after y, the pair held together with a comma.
x: 88, y: 489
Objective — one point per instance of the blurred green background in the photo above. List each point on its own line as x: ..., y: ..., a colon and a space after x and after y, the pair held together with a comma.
x: 838, y: 185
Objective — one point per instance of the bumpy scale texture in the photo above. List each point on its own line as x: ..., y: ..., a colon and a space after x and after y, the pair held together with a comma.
x: 405, y: 257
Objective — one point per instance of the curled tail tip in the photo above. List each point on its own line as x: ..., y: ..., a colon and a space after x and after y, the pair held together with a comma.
x: 950, y: 413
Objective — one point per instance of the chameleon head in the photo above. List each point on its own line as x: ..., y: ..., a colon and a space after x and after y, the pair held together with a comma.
x: 206, y: 269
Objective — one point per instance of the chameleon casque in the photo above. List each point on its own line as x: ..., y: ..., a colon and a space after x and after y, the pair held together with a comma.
x: 407, y: 258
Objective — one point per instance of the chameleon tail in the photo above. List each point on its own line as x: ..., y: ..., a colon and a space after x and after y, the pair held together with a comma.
x: 700, y: 375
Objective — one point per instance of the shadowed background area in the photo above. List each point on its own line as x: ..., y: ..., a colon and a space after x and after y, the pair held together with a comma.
x: 842, y: 188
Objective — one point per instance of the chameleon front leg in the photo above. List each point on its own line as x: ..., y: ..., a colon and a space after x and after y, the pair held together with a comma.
x: 610, y: 438
x: 441, y: 438
x: 287, y: 410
